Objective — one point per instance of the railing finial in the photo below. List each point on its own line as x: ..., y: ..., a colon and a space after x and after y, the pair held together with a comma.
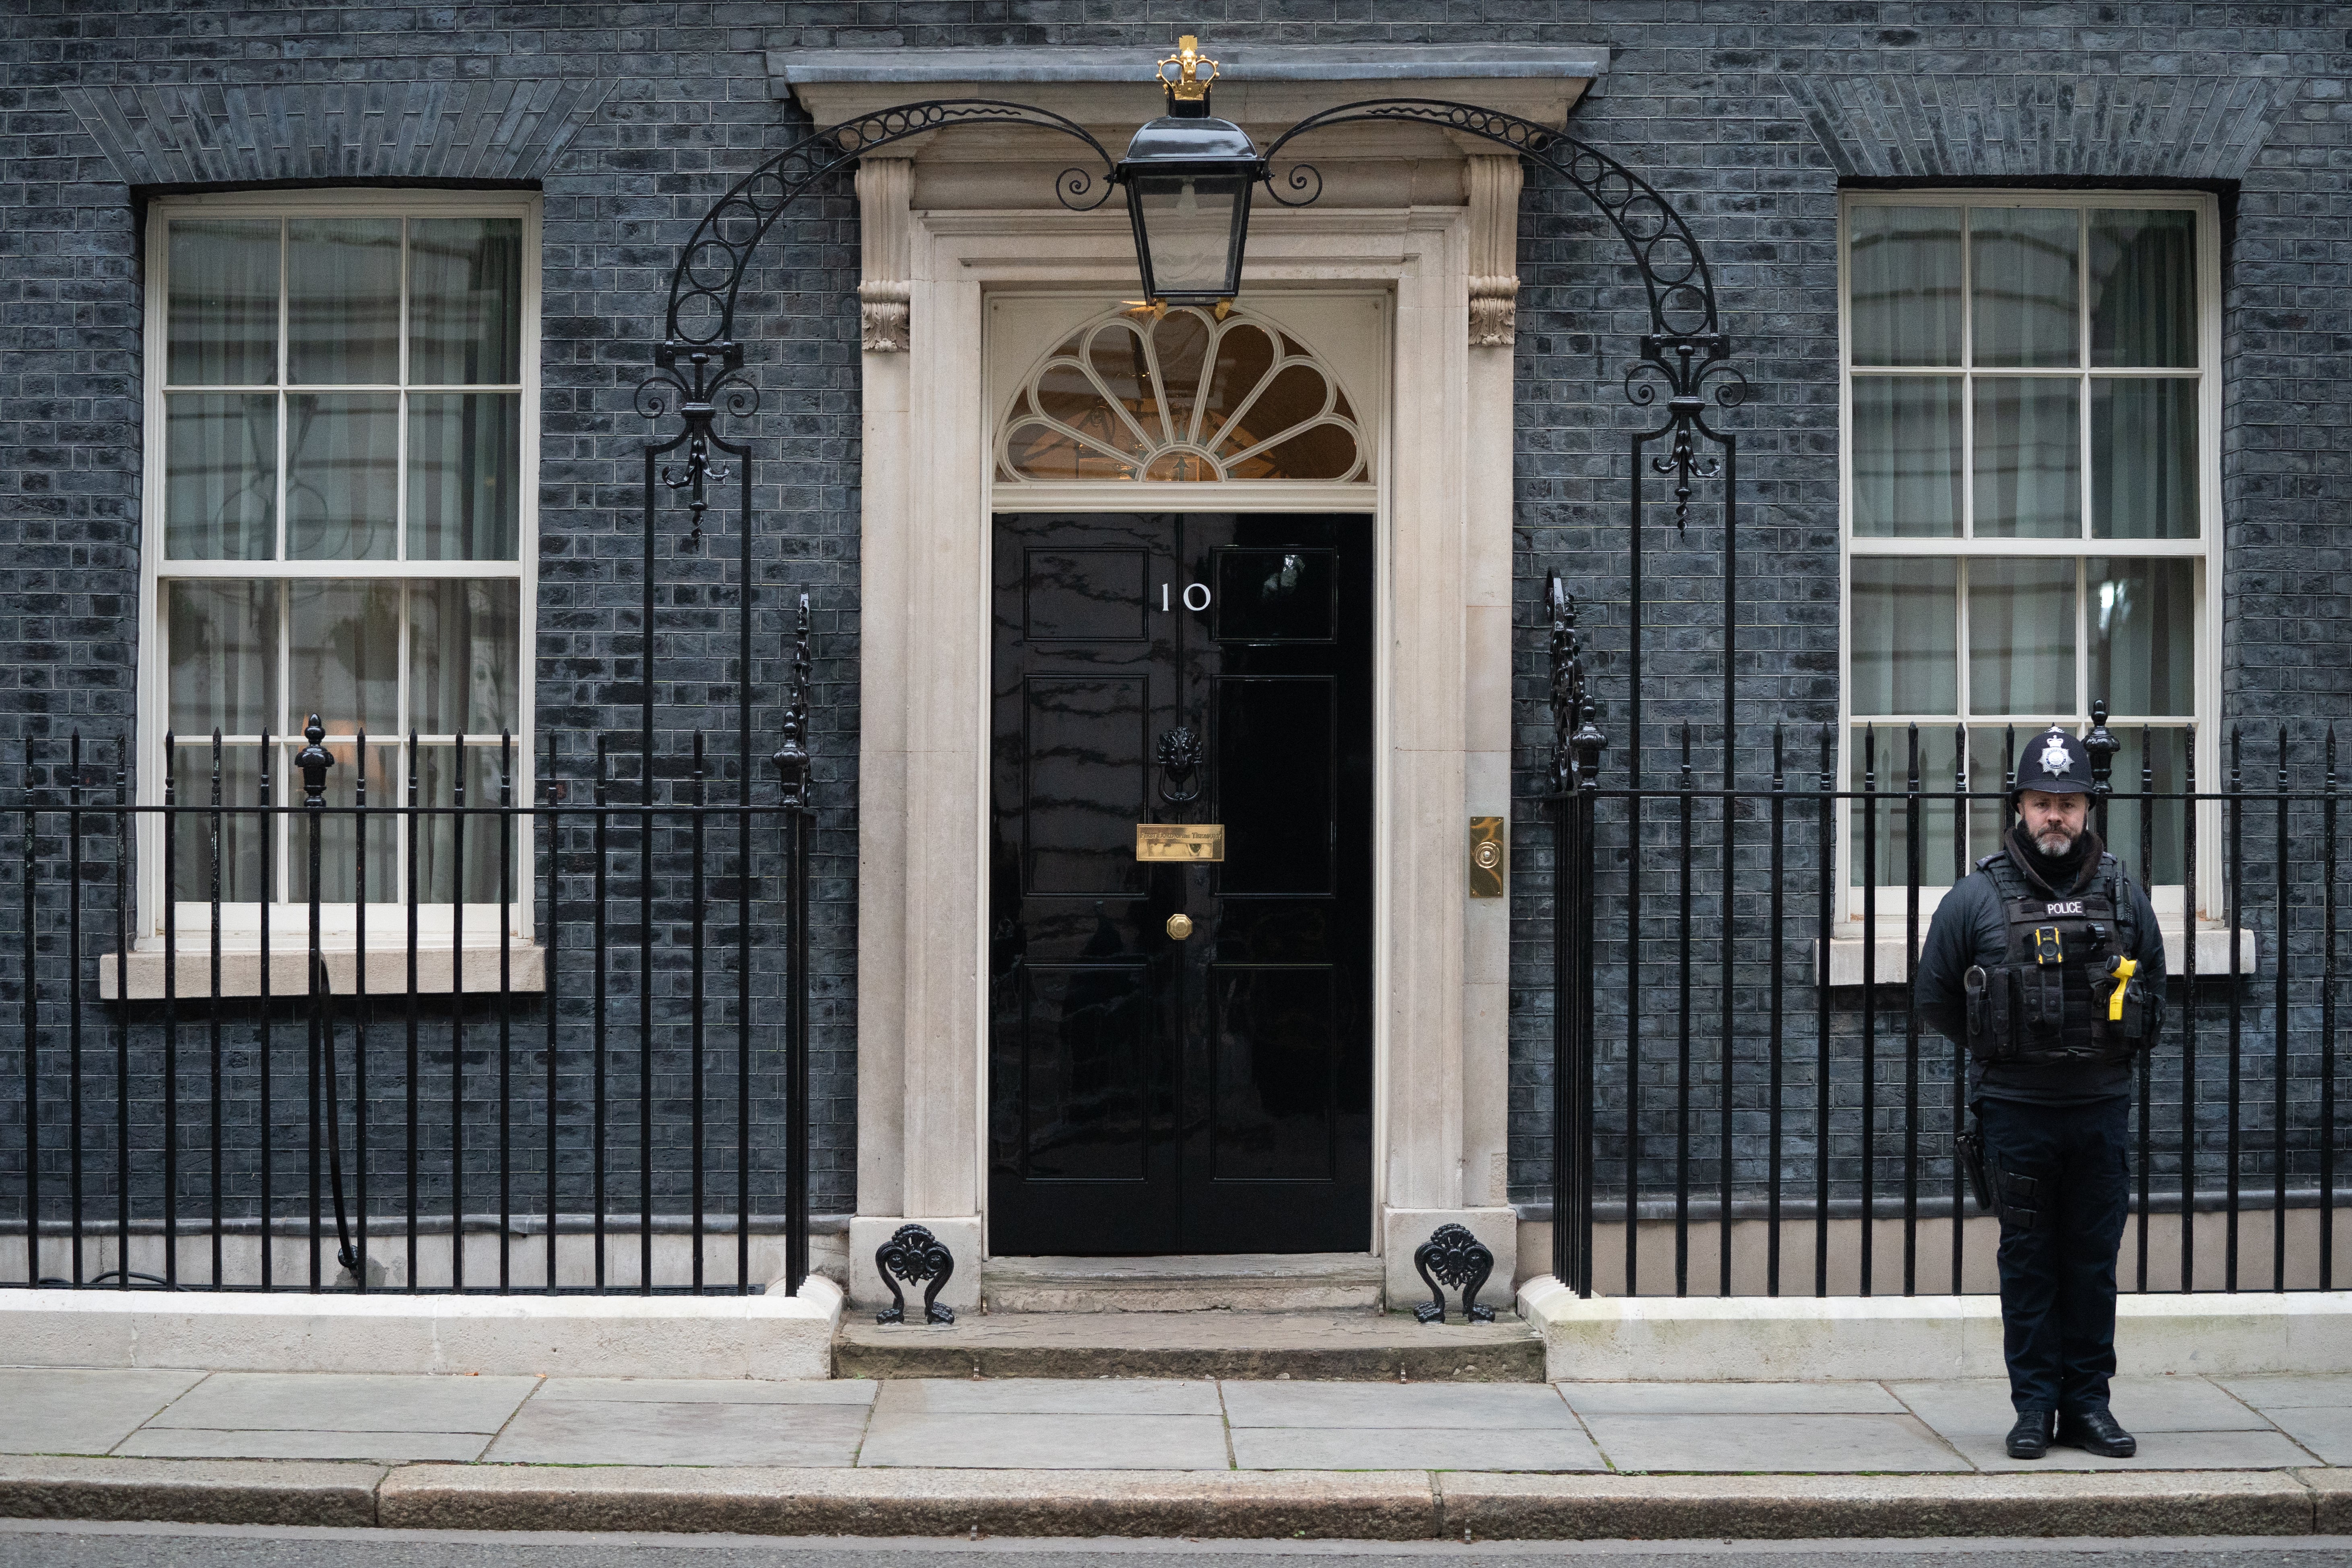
x: 314, y: 760
x: 2103, y: 746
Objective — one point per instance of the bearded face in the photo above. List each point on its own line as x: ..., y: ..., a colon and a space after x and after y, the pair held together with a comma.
x: 2054, y: 822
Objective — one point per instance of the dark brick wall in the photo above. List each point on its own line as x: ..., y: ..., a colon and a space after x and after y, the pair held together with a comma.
x: 630, y: 118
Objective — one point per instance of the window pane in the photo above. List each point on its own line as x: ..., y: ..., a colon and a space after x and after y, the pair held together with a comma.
x: 2143, y: 287
x: 437, y: 852
x: 465, y: 471
x: 2022, y: 637
x: 1993, y: 762
x: 1906, y: 656
x: 2144, y: 459
x: 342, y: 301
x: 239, y: 847
x: 2022, y: 275
x: 344, y: 661
x: 340, y: 881
x: 1890, y: 747
x: 223, y: 654
x: 2142, y: 617
x: 465, y: 301
x: 220, y: 476
x: 1906, y: 456
x: 2028, y: 459
x: 1904, y: 268
x: 223, y: 310
x: 2169, y: 749
x: 343, y: 476
x: 462, y: 650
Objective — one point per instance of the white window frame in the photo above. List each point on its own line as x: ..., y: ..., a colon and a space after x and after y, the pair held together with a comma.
x: 2205, y: 550
x: 386, y: 921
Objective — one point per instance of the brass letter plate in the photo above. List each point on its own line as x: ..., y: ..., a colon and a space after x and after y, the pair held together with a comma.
x: 1190, y: 841
x: 1489, y: 866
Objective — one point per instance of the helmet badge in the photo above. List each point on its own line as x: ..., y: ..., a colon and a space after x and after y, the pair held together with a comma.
x: 2053, y: 754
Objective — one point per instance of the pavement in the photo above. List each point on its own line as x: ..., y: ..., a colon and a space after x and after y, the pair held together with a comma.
x: 2267, y: 1454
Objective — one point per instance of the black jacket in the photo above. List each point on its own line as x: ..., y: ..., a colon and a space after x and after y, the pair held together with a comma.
x: 1970, y: 927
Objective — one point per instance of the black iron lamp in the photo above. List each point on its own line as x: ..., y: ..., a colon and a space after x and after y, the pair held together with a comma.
x: 1188, y: 176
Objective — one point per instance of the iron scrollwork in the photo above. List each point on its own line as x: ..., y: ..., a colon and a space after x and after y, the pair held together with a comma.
x: 1452, y: 1256
x: 914, y: 1254
x: 1685, y: 347
x: 1577, y: 738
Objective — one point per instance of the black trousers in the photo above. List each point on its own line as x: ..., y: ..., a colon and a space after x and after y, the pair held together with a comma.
x: 2061, y: 1177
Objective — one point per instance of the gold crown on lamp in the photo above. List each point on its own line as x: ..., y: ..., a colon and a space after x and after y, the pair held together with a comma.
x: 1188, y: 85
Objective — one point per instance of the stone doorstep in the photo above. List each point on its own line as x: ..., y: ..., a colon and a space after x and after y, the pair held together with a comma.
x: 1264, y: 1282
x: 1349, y: 1345
x: 1791, y: 1339
x: 769, y: 1336
x: 1403, y: 1505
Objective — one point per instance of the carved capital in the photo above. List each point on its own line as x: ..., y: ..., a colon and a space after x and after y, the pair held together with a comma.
x: 885, y: 188
x: 1493, y: 188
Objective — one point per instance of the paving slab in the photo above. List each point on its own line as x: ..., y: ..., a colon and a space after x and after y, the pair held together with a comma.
x: 1375, y: 1506
x: 1976, y: 1405
x: 634, y: 1432
x: 1612, y: 1508
x: 706, y: 1391
x: 1414, y: 1449
x: 1754, y: 1443
x: 1048, y: 1396
x: 1731, y: 1398
x: 337, y: 1402
x: 2289, y: 1391
x: 2326, y: 1431
x: 1045, y: 1442
x: 65, y: 1410
x: 1392, y: 1404
x: 190, y: 1491
x: 384, y: 1448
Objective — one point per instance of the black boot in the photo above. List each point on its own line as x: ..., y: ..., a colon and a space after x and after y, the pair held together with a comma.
x: 2030, y: 1438
x: 2097, y: 1432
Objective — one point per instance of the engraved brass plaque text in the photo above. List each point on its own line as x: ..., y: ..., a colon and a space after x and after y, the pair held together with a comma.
x: 1187, y: 841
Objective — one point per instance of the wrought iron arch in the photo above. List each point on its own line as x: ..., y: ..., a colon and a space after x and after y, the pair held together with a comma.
x: 700, y: 373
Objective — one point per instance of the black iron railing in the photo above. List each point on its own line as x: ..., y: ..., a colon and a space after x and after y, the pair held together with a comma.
x: 578, y: 1061
x: 1752, y: 1104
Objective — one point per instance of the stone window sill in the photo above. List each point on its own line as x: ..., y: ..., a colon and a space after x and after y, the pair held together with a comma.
x: 387, y: 971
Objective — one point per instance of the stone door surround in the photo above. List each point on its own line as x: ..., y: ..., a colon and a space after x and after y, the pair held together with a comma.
x: 1427, y: 228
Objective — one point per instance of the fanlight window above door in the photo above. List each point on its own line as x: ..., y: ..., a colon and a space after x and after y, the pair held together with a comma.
x: 1181, y: 397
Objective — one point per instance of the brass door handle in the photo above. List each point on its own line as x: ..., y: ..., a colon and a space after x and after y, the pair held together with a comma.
x: 1180, y: 926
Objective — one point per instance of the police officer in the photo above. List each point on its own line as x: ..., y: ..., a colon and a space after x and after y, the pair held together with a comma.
x: 2047, y: 966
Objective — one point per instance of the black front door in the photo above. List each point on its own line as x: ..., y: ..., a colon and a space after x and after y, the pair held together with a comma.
x: 1153, y: 1090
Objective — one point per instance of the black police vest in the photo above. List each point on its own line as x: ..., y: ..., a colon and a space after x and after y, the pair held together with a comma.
x: 2050, y: 1001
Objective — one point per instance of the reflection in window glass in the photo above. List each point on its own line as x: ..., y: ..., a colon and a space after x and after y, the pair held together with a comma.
x: 2029, y: 443
x: 343, y: 655
x: 223, y: 656
x: 1905, y: 639
x: 461, y: 657
x: 342, y: 301
x: 2020, y: 637
x: 1906, y: 456
x: 2143, y: 283
x: 2144, y: 457
x: 222, y: 304
x: 465, y: 301
x: 2141, y: 619
x: 2022, y: 283
x: 464, y: 477
x: 1903, y: 271
x: 343, y: 476
x: 220, y: 476
x: 1879, y: 758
